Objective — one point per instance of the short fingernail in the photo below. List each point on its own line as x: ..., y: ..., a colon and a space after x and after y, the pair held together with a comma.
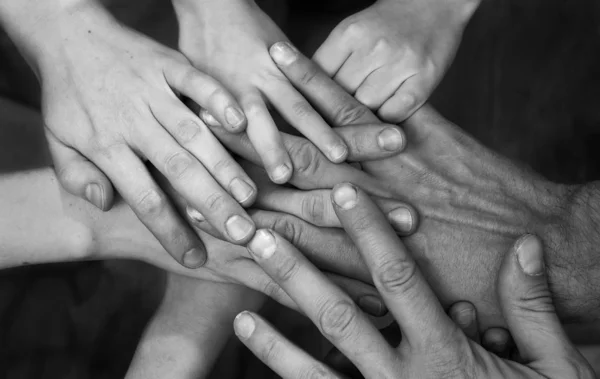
x: 238, y: 228
x: 234, y: 116
x: 283, y: 53
x: 244, y: 325
x: 401, y: 220
x: 345, y: 196
x: 280, y: 173
x: 194, y: 258
x: 263, y: 244
x: 241, y: 190
x: 390, y: 139
x: 208, y: 118
x: 464, y: 317
x: 194, y: 214
x: 338, y: 153
x: 95, y: 195
x: 372, y: 305
x: 530, y: 255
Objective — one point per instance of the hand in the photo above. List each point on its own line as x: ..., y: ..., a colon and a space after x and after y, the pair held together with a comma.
x: 432, y: 345
x: 392, y: 55
x: 110, y: 96
x: 230, y: 40
x: 472, y: 203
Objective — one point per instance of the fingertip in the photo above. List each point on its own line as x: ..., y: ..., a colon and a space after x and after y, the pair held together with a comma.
x: 338, y: 153
x: 244, y: 325
x: 344, y: 196
x: 236, y: 119
x: 497, y: 341
x: 194, y: 258
x: 263, y: 245
x: 283, y: 53
x: 530, y: 255
x: 463, y: 314
x: 281, y: 174
x: 208, y: 118
x: 404, y: 220
x: 392, y: 139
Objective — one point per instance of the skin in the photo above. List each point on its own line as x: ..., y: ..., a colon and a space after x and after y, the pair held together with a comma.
x: 432, y: 345
x: 471, y: 202
x: 110, y: 103
x: 229, y: 39
x: 392, y: 55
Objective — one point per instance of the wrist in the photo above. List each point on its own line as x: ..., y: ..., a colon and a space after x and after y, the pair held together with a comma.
x: 573, y: 259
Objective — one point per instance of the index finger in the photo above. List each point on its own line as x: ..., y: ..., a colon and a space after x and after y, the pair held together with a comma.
x: 395, y: 273
x: 335, y: 104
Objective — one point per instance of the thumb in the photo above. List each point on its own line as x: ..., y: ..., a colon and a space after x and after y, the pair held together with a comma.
x: 79, y: 176
x: 526, y: 302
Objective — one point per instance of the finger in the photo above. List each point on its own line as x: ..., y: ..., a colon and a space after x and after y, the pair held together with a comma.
x: 207, y: 93
x: 411, y: 95
x: 372, y: 142
x: 79, y: 176
x: 274, y: 350
x: 464, y: 315
x: 497, y: 341
x: 328, y: 307
x: 382, y: 84
x: 395, y: 273
x: 133, y: 181
x: 191, y: 179
x: 266, y: 139
x: 355, y: 70
x: 191, y: 134
x: 340, y: 363
x: 364, y: 295
x: 526, y: 302
x: 332, y: 53
x: 335, y: 104
x: 300, y: 114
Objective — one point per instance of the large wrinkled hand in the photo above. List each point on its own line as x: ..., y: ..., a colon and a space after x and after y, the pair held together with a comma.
x: 230, y: 40
x: 472, y: 203
x: 392, y: 55
x: 110, y: 102
x: 432, y: 345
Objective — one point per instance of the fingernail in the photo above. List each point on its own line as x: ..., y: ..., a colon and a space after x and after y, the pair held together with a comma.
x: 464, y: 317
x: 194, y: 214
x: 530, y: 255
x: 401, y: 220
x: 208, y: 119
x: 338, y: 153
x: 234, y: 116
x: 244, y: 325
x: 238, y: 228
x: 283, y: 53
x: 372, y: 305
x: 390, y: 139
x: 280, y: 173
x: 194, y: 258
x: 241, y: 190
x: 263, y: 244
x: 345, y: 196
x: 95, y: 195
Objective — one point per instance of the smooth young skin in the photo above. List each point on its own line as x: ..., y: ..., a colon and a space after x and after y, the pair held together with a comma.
x: 110, y: 102
x: 472, y: 205
x: 230, y: 40
x: 432, y: 345
x: 392, y: 55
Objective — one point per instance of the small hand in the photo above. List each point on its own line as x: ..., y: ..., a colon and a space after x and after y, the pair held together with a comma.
x: 230, y: 40
x: 432, y: 345
x: 110, y: 102
x: 392, y: 55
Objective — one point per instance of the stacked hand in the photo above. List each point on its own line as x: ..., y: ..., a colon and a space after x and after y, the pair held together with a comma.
x: 432, y: 345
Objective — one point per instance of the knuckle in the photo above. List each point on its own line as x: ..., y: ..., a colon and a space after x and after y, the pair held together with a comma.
x: 271, y: 289
x: 189, y: 77
x: 214, y: 202
x: 313, y: 209
x: 383, y: 45
x: 397, y: 276
x: 178, y: 164
x: 348, y: 114
x: 355, y: 29
x: 287, y: 269
x: 288, y: 229
x: 271, y: 349
x: 337, y: 318
x: 316, y: 371
x: 186, y: 131
x: 302, y: 109
x: 150, y: 203
x: 308, y: 76
x: 536, y: 299
x: 223, y: 165
x: 306, y: 158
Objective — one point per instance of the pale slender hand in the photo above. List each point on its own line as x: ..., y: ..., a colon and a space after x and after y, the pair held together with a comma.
x: 432, y: 345
x: 392, y: 55
x: 230, y: 40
